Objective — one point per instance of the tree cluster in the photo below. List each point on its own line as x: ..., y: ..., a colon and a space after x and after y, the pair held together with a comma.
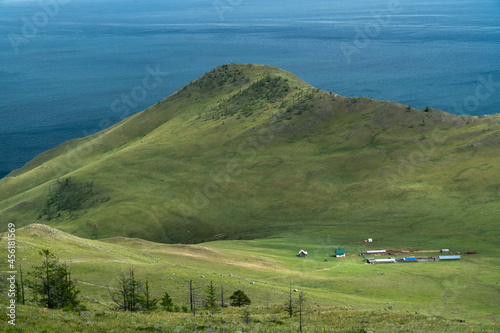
x: 132, y: 295
x: 71, y: 196
x: 54, y: 288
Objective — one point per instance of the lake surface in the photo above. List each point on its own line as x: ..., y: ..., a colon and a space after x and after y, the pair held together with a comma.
x: 66, y: 67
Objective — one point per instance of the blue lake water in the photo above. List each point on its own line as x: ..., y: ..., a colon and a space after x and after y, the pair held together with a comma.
x: 66, y: 65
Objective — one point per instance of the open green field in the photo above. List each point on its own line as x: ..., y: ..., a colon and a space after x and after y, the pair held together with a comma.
x: 249, y: 164
x: 343, y: 294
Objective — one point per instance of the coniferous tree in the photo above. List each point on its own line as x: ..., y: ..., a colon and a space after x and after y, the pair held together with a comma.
x: 191, y: 298
x: 128, y: 295
x: 289, y: 306
x: 167, y: 303
x: 247, y: 316
x: 22, y: 284
x: 301, y: 304
x: 54, y: 288
x: 222, y: 296
x: 149, y: 302
x: 210, y: 298
x: 19, y: 295
x: 239, y: 298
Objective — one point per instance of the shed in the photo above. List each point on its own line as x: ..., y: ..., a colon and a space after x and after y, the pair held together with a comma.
x: 302, y: 253
x: 445, y: 251
x: 340, y: 253
x: 449, y: 257
x: 370, y: 240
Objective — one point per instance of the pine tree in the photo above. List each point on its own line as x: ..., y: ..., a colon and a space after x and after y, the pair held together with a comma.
x: 247, y: 316
x: 289, y: 307
x: 167, y: 303
x: 54, y: 288
x: 302, y: 299
x: 239, y: 298
x: 22, y: 284
x: 128, y: 295
x: 222, y: 296
x: 210, y: 298
x: 191, y: 298
x: 149, y: 302
x: 19, y: 295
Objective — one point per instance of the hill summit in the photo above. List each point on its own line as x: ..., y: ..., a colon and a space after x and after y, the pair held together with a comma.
x: 252, y: 150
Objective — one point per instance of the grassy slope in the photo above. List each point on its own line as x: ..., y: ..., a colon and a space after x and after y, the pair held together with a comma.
x: 343, y: 294
x: 310, y: 167
x: 198, y: 165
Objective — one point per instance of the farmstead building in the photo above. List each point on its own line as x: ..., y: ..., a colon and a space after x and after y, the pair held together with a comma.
x: 340, y: 253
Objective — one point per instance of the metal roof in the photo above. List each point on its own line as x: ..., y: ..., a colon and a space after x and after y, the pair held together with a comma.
x: 384, y: 260
x: 449, y: 257
x: 340, y: 251
x: 375, y: 251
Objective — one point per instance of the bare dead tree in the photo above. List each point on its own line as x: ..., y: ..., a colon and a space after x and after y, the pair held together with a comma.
x: 301, y: 304
x: 22, y: 282
x: 222, y: 295
x: 128, y: 294
x: 289, y: 308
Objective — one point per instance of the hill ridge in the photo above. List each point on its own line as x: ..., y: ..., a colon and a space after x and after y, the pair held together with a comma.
x: 251, y: 150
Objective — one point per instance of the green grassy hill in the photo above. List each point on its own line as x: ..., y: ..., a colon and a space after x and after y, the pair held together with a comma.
x: 343, y: 294
x: 249, y: 151
x: 256, y: 164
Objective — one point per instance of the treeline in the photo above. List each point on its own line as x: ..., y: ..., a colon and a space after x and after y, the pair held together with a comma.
x: 134, y: 295
x: 52, y: 286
